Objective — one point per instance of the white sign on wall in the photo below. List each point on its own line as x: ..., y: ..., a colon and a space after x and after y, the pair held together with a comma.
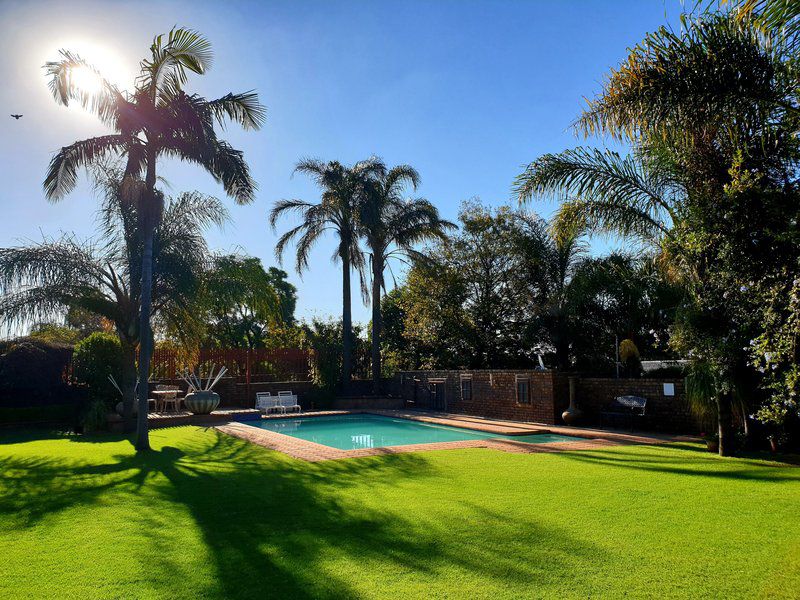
x: 669, y: 389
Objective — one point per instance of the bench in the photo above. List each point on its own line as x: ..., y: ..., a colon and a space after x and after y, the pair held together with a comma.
x: 626, y: 407
x: 268, y: 403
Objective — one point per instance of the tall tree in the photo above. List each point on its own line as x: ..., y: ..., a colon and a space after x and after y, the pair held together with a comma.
x: 343, y: 189
x: 392, y: 226
x: 101, y: 277
x: 157, y: 119
x: 711, y: 112
x: 505, y: 289
x: 241, y: 301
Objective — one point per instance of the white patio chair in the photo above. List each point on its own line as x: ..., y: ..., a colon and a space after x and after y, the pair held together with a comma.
x: 268, y: 403
x: 289, y: 401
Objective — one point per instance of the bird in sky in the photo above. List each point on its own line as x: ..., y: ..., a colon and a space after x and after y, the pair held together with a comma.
x: 17, y: 117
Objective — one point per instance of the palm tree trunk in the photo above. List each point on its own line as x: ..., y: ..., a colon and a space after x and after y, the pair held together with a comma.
x: 145, y: 336
x: 128, y: 384
x: 147, y: 210
x: 377, y: 324
x: 347, y: 325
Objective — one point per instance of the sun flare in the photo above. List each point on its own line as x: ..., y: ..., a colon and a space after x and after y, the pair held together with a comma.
x: 86, y: 80
x: 104, y: 63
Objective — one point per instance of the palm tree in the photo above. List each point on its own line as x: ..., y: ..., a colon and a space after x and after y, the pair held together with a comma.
x: 696, y: 105
x: 157, y: 120
x: 342, y: 190
x: 101, y: 276
x: 392, y: 226
x: 602, y: 192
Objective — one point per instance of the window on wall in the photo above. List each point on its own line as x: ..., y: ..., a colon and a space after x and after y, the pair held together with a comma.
x: 523, y: 391
x: 466, y: 388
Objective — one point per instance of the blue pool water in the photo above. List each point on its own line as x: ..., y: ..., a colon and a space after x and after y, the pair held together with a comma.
x: 349, y: 432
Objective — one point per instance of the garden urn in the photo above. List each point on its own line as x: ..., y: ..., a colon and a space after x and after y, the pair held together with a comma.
x: 201, y: 402
x: 573, y: 413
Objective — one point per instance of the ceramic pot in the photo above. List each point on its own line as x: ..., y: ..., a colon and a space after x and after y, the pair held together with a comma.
x: 121, y: 410
x: 202, y: 402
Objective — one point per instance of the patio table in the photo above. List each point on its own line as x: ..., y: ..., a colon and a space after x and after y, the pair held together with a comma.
x: 165, y: 396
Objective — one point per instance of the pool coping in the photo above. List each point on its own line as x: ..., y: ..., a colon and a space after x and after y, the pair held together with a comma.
x: 313, y: 452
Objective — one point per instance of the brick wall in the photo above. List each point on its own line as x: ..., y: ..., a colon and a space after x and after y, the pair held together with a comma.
x: 663, y: 413
x: 494, y: 393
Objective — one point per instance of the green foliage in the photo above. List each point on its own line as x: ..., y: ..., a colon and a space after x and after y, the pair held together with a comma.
x: 96, y: 417
x: 343, y: 189
x: 506, y: 287
x: 711, y: 113
x: 94, y: 282
x: 32, y: 370
x: 54, y: 333
x: 324, y: 338
x: 95, y: 358
x: 702, y: 391
x: 245, y: 303
x: 630, y: 358
x: 775, y: 352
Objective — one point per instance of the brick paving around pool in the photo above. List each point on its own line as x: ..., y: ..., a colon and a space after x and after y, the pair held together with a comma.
x: 593, y: 439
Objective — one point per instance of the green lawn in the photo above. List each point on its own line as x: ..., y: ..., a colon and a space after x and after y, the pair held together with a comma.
x: 205, y: 515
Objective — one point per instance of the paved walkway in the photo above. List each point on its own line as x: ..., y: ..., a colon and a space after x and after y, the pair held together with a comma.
x: 593, y: 438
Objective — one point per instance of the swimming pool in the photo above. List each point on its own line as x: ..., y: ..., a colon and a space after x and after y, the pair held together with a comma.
x: 351, y: 432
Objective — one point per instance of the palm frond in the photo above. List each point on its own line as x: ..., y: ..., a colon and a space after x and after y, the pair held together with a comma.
x: 607, y: 218
x: 165, y: 73
x: 603, y: 191
x: 714, y: 75
x: 102, y: 99
x: 223, y: 162
x: 282, y: 207
x: 243, y: 108
x: 62, y: 173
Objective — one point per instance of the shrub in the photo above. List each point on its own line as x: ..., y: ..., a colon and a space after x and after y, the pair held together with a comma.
x: 324, y: 338
x: 629, y: 356
x: 32, y: 371
x: 95, y: 358
x: 96, y: 417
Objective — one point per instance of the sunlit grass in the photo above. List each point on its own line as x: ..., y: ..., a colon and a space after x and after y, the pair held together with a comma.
x: 205, y: 515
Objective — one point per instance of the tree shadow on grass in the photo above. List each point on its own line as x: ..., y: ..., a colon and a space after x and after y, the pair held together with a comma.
x: 692, y: 460
x: 277, y: 527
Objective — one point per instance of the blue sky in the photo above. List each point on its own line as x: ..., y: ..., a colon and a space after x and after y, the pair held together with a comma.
x: 467, y: 92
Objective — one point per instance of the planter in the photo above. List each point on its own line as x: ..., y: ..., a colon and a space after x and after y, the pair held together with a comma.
x: 201, y: 403
x: 120, y: 409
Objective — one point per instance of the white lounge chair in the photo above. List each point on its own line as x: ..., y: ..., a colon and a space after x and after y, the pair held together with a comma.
x: 289, y: 401
x: 268, y: 403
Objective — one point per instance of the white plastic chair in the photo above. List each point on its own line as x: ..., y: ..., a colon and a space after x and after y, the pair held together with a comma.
x: 267, y: 403
x: 289, y: 401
